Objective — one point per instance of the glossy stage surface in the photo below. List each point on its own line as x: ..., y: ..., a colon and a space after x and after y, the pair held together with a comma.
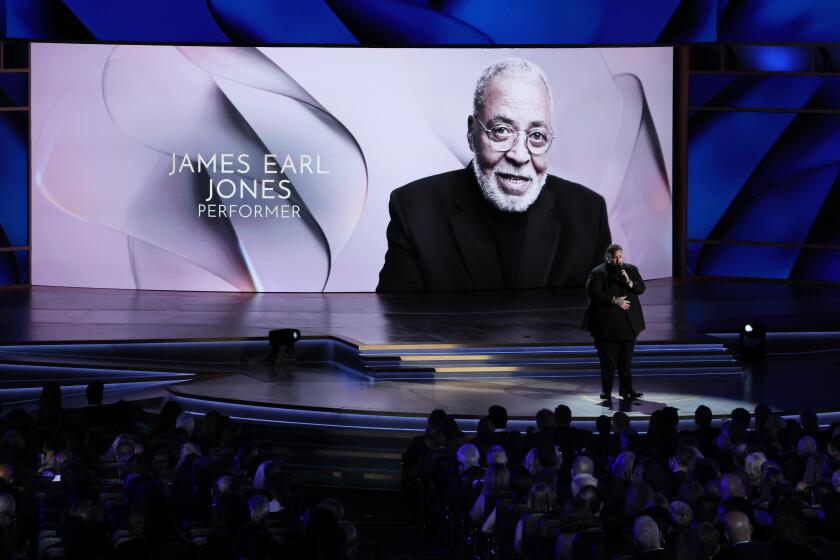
x: 524, y: 350
x: 674, y: 310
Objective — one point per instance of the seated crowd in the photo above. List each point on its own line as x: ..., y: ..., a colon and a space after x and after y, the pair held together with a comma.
x: 95, y: 483
x: 99, y: 483
x: 758, y: 487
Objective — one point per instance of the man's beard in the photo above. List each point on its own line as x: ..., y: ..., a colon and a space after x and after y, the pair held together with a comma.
x: 505, y: 202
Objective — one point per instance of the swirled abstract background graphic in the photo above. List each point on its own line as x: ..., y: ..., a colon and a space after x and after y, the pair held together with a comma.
x: 106, y: 121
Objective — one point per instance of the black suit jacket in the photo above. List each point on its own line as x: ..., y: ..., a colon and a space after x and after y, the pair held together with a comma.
x: 439, y: 239
x: 751, y: 550
x: 606, y: 320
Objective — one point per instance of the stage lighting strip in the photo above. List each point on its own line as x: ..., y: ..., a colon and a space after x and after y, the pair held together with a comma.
x: 486, y: 357
x: 421, y: 350
x: 273, y: 415
x: 100, y: 350
x: 534, y: 360
x: 589, y: 374
x: 92, y: 371
x: 27, y: 395
x: 524, y: 368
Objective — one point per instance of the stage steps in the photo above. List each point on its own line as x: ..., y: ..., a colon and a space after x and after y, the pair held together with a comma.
x: 442, y: 362
x: 142, y: 364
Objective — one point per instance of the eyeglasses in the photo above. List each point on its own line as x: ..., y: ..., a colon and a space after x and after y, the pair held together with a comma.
x: 503, y: 137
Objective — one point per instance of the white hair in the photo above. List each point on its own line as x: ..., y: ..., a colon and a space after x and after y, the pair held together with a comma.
x: 622, y: 467
x: 188, y: 448
x: 752, y: 466
x: 508, y: 67
x: 262, y: 474
x: 7, y: 503
x: 581, y: 481
x: 497, y: 455
x: 583, y: 464
x: 646, y: 533
x: 186, y: 421
x: 532, y: 461
x: 681, y: 514
x: 807, y: 446
x: 224, y: 483
x: 468, y: 456
x: 258, y: 506
x: 115, y: 444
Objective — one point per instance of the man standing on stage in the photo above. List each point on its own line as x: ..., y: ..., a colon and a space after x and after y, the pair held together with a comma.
x: 614, y: 317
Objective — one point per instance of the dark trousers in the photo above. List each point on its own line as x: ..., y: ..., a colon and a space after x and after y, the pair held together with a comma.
x: 615, y: 355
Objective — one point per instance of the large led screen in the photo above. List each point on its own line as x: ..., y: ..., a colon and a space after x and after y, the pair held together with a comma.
x: 272, y: 169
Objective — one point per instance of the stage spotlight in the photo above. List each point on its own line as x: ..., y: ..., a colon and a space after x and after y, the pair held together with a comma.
x: 752, y: 340
x: 282, y: 342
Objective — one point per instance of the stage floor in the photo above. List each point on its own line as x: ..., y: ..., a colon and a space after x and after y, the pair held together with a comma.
x: 325, y: 390
x: 675, y: 310
x: 801, y: 373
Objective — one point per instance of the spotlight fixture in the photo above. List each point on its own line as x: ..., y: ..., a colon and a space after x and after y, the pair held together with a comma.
x: 282, y: 342
x: 752, y: 341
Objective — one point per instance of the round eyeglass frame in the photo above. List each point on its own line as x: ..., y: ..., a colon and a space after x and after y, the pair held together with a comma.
x: 499, y: 146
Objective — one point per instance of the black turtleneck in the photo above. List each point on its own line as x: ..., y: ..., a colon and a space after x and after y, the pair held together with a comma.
x: 508, y: 229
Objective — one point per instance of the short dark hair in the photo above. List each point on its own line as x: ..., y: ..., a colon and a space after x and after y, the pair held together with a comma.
x: 547, y: 455
x: 437, y: 418
x: 562, y: 415
x: 95, y: 392
x: 603, y: 423
x: 545, y: 419
x: 703, y: 416
x: 613, y: 248
x: 742, y: 415
x: 498, y: 416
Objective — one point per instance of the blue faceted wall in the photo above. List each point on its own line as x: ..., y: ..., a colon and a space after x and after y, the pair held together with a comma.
x: 764, y: 99
x: 14, y: 165
x: 764, y: 163
x: 438, y: 22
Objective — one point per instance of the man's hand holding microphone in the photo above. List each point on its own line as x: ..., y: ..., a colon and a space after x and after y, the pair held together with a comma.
x: 626, y: 277
x: 624, y: 302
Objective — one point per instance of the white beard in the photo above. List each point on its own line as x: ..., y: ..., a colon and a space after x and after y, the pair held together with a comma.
x: 499, y: 198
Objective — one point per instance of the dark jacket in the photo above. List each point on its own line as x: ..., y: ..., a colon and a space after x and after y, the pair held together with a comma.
x: 439, y: 238
x: 606, y: 320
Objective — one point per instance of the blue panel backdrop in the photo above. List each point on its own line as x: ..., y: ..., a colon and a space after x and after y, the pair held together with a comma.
x: 724, y: 150
x: 149, y: 20
x: 14, y: 89
x: 763, y: 92
x: 14, y: 192
x: 782, y: 21
x: 267, y: 21
x: 772, y: 59
x: 14, y: 267
x: 425, y: 22
x: 818, y: 264
x: 470, y: 22
x: 750, y: 261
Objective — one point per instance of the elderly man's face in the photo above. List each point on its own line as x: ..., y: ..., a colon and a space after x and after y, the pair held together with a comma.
x: 511, y: 180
